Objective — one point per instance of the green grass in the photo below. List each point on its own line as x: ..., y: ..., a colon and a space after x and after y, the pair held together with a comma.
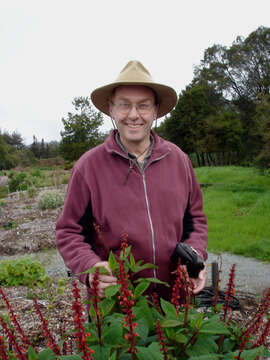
x: 237, y: 205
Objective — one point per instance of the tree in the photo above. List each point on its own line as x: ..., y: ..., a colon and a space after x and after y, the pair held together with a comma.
x: 15, y: 139
x: 242, y: 73
x: 81, y: 130
x: 187, y: 124
x: 262, y: 120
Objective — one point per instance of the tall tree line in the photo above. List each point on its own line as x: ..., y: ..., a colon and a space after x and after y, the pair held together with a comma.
x: 223, y: 115
x: 14, y: 152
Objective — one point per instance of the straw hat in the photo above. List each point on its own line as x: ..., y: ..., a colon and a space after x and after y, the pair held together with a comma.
x: 134, y: 73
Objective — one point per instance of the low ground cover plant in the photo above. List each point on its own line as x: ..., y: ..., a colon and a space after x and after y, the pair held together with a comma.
x: 50, y: 199
x: 25, y: 271
x: 128, y: 325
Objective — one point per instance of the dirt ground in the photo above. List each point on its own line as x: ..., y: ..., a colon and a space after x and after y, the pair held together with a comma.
x: 33, y: 231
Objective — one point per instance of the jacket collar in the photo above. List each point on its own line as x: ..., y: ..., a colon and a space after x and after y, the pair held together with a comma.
x: 160, y: 149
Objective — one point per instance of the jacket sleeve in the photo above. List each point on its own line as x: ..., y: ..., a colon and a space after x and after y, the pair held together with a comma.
x: 74, y: 228
x: 195, y: 230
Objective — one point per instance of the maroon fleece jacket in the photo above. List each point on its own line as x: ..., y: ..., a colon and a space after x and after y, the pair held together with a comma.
x: 156, y: 207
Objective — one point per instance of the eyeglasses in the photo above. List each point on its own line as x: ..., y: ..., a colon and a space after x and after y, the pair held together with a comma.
x: 125, y: 108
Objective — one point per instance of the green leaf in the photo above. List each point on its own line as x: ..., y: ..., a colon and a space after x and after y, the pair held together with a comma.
x: 178, y: 337
x: 152, y: 280
x: 142, y: 329
x: 113, y: 264
x: 227, y: 345
x: 251, y: 354
x: 106, y: 306
x: 143, y: 311
x: 205, y: 357
x: 132, y: 261
x: 47, y: 354
x: 214, y: 328
x: 112, y: 333
x: 112, y: 290
x: 205, y: 345
x: 113, y: 356
x: 168, y: 309
x: 171, y: 323
x: 31, y: 353
x: 101, y: 352
x: 140, y: 289
x: 152, y: 352
x: 70, y: 357
x: 138, y: 268
x: 92, y: 270
x: 92, y: 312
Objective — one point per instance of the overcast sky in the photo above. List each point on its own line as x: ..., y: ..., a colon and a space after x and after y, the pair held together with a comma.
x: 52, y: 51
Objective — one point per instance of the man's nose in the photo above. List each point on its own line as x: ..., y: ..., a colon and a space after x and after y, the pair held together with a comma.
x: 133, y: 113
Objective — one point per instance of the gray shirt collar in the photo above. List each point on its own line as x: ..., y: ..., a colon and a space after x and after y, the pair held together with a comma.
x: 133, y: 157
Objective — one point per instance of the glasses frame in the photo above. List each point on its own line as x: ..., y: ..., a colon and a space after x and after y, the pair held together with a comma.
x: 130, y: 107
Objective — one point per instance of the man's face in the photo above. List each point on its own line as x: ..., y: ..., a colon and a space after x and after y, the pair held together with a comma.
x: 133, y: 110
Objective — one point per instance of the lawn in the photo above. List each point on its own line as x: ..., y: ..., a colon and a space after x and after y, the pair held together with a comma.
x: 237, y: 205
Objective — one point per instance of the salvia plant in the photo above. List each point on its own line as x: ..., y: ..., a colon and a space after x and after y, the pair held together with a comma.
x: 129, y: 325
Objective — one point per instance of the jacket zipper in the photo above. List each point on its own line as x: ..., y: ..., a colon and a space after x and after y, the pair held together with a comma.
x: 148, y: 207
x: 148, y: 212
x: 151, y: 224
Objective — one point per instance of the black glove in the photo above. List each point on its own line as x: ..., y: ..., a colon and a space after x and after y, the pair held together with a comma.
x: 189, y: 257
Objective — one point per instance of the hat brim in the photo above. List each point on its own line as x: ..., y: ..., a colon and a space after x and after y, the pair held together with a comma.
x: 166, y: 96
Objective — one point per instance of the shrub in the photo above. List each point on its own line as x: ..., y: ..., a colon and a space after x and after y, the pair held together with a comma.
x: 18, y: 182
x: 25, y: 271
x: 31, y: 191
x: 50, y: 199
x: 3, y: 191
x: 36, y: 172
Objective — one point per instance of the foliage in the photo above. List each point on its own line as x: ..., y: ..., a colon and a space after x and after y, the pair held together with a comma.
x: 50, y: 199
x: 25, y: 271
x: 17, y: 181
x: 262, y: 121
x: 80, y: 130
x: 5, y: 160
x: 237, y: 206
x: 241, y: 73
x: 9, y: 225
x: 127, y: 324
x: 3, y: 191
x: 203, y: 124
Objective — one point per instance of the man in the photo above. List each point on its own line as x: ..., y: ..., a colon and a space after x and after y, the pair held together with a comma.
x: 135, y: 182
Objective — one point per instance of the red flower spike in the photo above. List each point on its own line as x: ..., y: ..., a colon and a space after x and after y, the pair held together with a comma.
x: 12, y: 340
x: 256, y: 323
x: 126, y: 302
x: 264, y: 334
x: 55, y: 348
x: 229, y: 291
x: 124, y: 242
x: 161, y: 339
x: 96, y: 299
x: 14, y: 319
x: 3, y: 350
x: 175, y: 300
x: 80, y: 336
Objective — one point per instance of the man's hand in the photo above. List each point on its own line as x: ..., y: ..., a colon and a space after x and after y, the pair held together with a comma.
x: 104, y: 280
x: 199, y: 282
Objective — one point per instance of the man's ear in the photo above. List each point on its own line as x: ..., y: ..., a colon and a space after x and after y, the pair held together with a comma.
x: 110, y: 108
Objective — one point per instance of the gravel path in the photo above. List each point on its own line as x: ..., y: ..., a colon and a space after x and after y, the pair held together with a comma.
x: 251, y: 275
